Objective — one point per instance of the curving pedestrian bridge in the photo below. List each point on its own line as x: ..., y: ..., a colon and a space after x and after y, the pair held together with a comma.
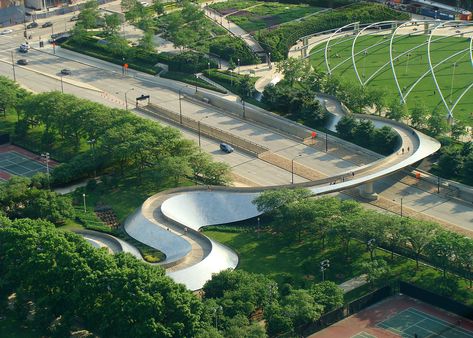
x: 170, y: 221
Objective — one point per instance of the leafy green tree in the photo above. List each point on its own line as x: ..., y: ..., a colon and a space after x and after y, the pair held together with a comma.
x: 89, y: 14
x: 450, y: 162
x: 271, y: 200
x: 437, y: 123
x: 419, y: 235
x: 458, y: 129
x: 293, y: 69
x: 328, y: 294
x: 464, y: 252
x: 112, y: 24
x: 146, y: 42
x: 468, y: 168
x: 326, y: 212
x: 346, y: 126
x: 377, y: 98
x: 376, y: 270
x: 301, y: 307
x: 396, y: 110
x: 363, y: 133
x: 443, y: 250
x: 384, y: 140
x: 158, y: 7
x: 176, y: 168
x: 418, y: 115
x: 246, y: 85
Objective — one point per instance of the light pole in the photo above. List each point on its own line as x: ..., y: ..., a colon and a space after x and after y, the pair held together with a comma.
x: 371, y: 244
x: 196, y: 77
x: 407, y: 63
x: 208, y: 64
x: 453, y: 76
x: 180, y: 107
x: 244, y: 110
x: 92, y: 146
x: 13, y: 66
x: 324, y: 265
x: 198, y: 129
x: 46, y: 157
x: 269, y: 60
x: 257, y: 228
x: 238, y: 66
x: 126, y: 99
x: 326, y: 142
x: 402, y: 198
x: 85, y: 206
x: 292, y: 168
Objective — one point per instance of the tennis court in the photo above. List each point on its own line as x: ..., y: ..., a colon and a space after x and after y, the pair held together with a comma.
x: 17, y: 164
x: 412, y: 322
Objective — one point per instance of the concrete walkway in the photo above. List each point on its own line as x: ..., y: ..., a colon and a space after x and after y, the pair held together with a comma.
x: 353, y: 283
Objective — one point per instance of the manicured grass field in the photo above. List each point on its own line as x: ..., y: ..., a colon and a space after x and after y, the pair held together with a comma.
x: 298, y: 262
x: 253, y: 16
x: 409, y: 67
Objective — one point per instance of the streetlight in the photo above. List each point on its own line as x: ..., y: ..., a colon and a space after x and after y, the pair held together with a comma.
x: 269, y: 60
x: 371, y: 244
x: 85, y: 206
x: 407, y: 63
x: 180, y: 107
x: 218, y: 308
x: 208, y: 64
x: 13, y: 66
x: 244, y: 110
x: 402, y: 198
x: 126, y: 99
x: 46, y: 157
x: 257, y: 228
x: 198, y: 128
x: 238, y: 66
x: 92, y: 146
x: 453, y: 76
x: 324, y: 265
x: 292, y: 168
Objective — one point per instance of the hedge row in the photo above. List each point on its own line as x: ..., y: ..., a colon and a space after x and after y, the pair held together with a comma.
x: 279, y: 40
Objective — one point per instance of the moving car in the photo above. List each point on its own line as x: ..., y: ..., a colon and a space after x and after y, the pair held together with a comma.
x: 6, y: 31
x: 22, y: 62
x: 24, y: 47
x: 66, y: 71
x: 226, y: 148
x: 33, y: 24
x: 47, y: 24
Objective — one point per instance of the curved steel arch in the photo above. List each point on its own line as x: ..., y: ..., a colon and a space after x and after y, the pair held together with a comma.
x: 328, y: 41
x: 354, y: 42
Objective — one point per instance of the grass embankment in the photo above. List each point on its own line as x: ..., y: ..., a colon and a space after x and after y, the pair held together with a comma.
x: 254, y: 15
x: 298, y: 262
x: 409, y: 67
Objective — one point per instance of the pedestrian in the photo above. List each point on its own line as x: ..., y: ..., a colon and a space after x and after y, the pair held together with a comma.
x: 185, y: 229
x: 403, y: 150
x: 353, y: 173
x: 408, y: 148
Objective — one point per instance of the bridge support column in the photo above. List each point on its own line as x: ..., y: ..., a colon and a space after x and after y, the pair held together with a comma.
x: 367, y: 192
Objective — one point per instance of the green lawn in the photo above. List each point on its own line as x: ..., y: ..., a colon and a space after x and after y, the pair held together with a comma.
x: 409, y: 68
x: 253, y: 16
x: 298, y: 263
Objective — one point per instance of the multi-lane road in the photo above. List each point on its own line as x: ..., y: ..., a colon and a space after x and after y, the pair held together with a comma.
x: 104, y: 83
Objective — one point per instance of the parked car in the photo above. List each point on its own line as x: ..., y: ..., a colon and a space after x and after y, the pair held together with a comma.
x: 74, y: 18
x: 33, y: 24
x: 6, y: 31
x: 47, y: 24
x: 22, y: 62
x: 226, y: 148
x: 66, y: 71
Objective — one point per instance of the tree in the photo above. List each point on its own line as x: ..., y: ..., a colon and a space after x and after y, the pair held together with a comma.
x: 443, y: 249
x: 458, y: 129
x: 326, y: 211
x: 464, y: 251
x: 468, y: 168
x: 420, y: 234
x: 377, y: 98
x: 384, y: 140
x: 437, y: 123
x: 146, y: 42
x: 89, y: 14
x: 396, y: 110
x: 175, y: 167
x: 393, y: 233
x: 301, y: 307
x: 450, y: 162
x: 112, y: 24
x: 246, y: 85
x: 418, y: 116
x: 158, y: 7
x: 328, y: 294
x: 376, y: 270
x: 346, y: 227
x: 271, y: 200
x: 293, y: 69
x: 346, y: 126
x: 363, y: 133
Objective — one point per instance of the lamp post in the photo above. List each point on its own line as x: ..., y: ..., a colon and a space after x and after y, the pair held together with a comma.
x: 324, y: 265
x: 238, y: 66
x: 180, y: 107
x: 244, y: 110
x: 292, y: 168
x: 326, y: 142
x: 257, y: 228
x: 269, y: 60
x: 92, y: 142
x: 46, y: 157
x: 402, y: 198
x: 407, y: 63
x: 13, y: 66
x: 85, y: 206
x: 371, y: 245
x: 453, y: 77
x: 198, y: 129
x: 208, y: 64
x: 126, y: 99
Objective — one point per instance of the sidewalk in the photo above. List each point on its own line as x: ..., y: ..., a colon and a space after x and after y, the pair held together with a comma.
x: 353, y: 283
